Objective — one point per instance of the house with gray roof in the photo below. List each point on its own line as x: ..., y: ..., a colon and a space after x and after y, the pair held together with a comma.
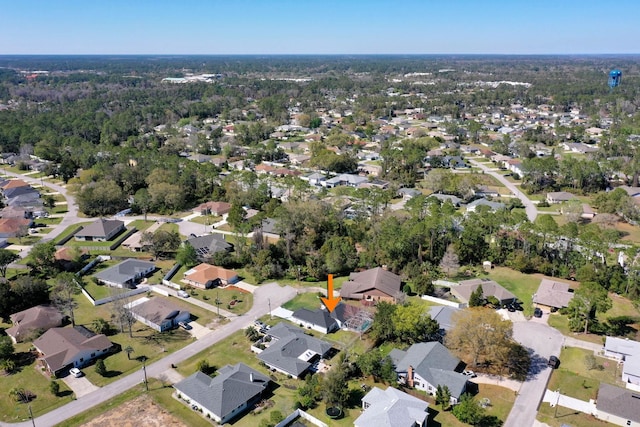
x: 319, y: 320
x: 125, y: 274
x: 443, y: 314
x: 376, y: 284
x: 559, y: 197
x: 493, y: 206
x: 158, y: 313
x: 552, y: 295
x: 64, y: 348
x: 291, y: 351
x: 628, y: 352
x: 427, y: 365
x: 347, y: 179
x: 100, y: 230
x: 455, y: 201
x: 489, y: 289
x: 227, y: 395
x: 618, y: 406
x: 32, y: 321
x: 392, y: 408
x: 206, y: 246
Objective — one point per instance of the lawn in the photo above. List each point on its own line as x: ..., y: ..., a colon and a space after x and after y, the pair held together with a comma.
x: 575, y: 380
x: 70, y: 230
x: 561, y: 416
x: 30, y: 378
x: 521, y: 285
x: 97, y: 291
x: 244, y: 299
x: 206, y: 219
x: 308, y: 300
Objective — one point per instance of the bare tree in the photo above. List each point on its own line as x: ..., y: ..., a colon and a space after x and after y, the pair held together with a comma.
x: 121, y: 310
x: 63, y: 294
x: 450, y: 263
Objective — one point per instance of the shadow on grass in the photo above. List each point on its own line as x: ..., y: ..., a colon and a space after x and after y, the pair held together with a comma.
x: 65, y: 393
x: 111, y: 374
x: 433, y: 413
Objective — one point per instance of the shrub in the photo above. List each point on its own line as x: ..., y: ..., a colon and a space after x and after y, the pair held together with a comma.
x: 101, y: 369
x: 54, y: 387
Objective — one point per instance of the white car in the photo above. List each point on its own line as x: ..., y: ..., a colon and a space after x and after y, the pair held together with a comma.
x: 75, y: 372
x: 469, y: 373
x: 183, y: 294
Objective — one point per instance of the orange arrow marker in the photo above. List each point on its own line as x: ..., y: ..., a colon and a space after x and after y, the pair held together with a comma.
x: 330, y: 301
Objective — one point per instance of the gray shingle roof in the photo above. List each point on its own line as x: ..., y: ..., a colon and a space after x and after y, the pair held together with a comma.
x: 157, y: 310
x: 489, y: 288
x: 124, y: 271
x: 619, y: 401
x: 317, y: 317
x: 100, y: 228
x: 392, y: 408
x: 433, y: 362
x: 442, y: 314
x: 232, y: 387
x: 290, y: 346
x: 209, y: 244
x: 553, y: 294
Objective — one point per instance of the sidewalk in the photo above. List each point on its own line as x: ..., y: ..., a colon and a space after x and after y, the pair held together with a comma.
x: 497, y: 380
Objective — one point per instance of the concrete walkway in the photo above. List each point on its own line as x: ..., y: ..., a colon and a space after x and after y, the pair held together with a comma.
x: 574, y: 342
x: 497, y: 380
x: 554, y: 398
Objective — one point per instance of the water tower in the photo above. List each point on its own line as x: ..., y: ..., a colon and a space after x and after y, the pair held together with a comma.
x: 614, y: 78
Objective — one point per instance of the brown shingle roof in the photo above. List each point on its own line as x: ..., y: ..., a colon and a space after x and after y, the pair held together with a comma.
x: 553, y: 294
x: 489, y: 288
x: 61, y: 345
x: 376, y: 278
x: 27, y: 321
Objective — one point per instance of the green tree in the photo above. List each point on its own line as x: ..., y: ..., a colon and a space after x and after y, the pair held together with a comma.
x: 310, y: 393
x: 336, y: 386
x: 411, y: 324
x: 162, y: 242
x: 443, y: 397
x: 128, y: 349
x: 6, y: 347
x: 6, y: 258
x: 589, y: 299
x: 476, y: 299
x: 468, y: 411
x: 54, y: 387
x: 236, y: 216
x: 100, y: 368
x: 42, y: 258
x: 101, y: 326
x: 383, y: 327
x: 187, y: 255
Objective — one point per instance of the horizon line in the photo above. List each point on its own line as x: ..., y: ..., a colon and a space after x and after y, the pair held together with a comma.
x: 327, y: 54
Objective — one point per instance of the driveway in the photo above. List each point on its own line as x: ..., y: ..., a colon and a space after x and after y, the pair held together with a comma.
x: 265, y: 295
x: 197, y: 330
x: 542, y: 341
x: 80, y: 386
x: 530, y: 207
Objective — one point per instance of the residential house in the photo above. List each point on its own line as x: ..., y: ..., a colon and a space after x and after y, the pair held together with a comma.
x: 489, y: 289
x: 559, y: 197
x: 319, y: 320
x: 33, y: 321
x: 552, y: 295
x: 425, y: 366
x: 376, y: 284
x: 351, y: 317
x: 443, y: 314
x: 291, y: 351
x: 205, y: 276
x: 628, y: 352
x: 224, y: 397
x: 315, y: 178
x: 347, y: 179
x: 579, y: 147
x: 12, y: 183
x: 409, y: 193
x: 13, y: 227
x: 455, y: 201
x: 100, y: 230
x: 213, y: 208
x: 64, y: 348
x: 485, y: 190
x: 618, y: 406
x: 209, y: 244
x: 125, y: 274
x: 392, y: 408
x: 158, y: 313
x: 493, y: 206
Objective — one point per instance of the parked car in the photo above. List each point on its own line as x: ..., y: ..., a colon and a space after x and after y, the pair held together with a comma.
x: 469, y: 373
x: 185, y: 326
x: 75, y: 372
x: 183, y: 294
x: 554, y: 362
x: 537, y: 312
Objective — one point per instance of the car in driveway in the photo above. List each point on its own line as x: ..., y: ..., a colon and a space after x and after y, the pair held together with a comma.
x: 75, y: 372
x: 537, y: 312
x: 469, y: 373
x: 185, y: 326
x: 183, y: 294
x: 553, y: 362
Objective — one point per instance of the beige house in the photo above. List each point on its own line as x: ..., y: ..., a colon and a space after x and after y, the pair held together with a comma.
x: 376, y: 284
x: 205, y: 276
x: 552, y: 295
x: 33, y: 321
x: 489, y: 289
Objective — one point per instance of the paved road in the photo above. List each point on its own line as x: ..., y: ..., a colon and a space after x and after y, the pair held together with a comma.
x: 544, y: 341
x: 530, y: 207
x: 269, y: 293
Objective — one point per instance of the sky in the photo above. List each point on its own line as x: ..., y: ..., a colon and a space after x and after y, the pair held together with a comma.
x: 319, y: 27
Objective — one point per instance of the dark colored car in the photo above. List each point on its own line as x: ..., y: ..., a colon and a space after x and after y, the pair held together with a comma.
x: 554, y: 362
x: 537, y: 312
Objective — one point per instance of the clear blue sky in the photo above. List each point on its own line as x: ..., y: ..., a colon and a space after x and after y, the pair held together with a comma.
x: 319, y: 27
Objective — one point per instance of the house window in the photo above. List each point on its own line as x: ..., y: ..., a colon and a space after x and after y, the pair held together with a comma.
x: 82, y: 359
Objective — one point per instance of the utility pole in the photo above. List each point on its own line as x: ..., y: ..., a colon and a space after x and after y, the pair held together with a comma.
x: 218, y: 302
x: 555, y: 411
x: 31, y: 416
x: 269, y: 301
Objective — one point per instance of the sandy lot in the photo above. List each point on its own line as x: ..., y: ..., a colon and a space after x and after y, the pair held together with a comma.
x: 140, y: 412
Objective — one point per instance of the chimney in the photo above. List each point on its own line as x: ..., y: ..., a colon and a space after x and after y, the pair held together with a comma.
x: 410, y: 376
x: 251, y: 376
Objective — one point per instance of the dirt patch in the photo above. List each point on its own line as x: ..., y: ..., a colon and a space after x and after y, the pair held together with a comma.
x: 139, y: 412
